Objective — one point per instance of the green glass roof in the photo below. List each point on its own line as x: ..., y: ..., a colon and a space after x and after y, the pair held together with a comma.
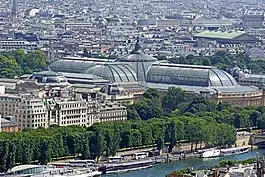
x: 219, y: 34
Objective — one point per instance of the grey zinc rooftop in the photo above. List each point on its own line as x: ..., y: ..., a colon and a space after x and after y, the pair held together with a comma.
x: 80, y: 75
x: 252, y: 77
x: 197, y: 89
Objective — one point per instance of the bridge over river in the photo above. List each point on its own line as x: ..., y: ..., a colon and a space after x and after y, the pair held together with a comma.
x: 257, y: 140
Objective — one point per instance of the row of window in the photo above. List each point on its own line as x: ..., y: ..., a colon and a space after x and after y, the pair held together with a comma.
x: 10, y: 105
x: 32, y: 116
x: 242, y: 94
x: 112, y: 119
x: 16, y: 47
x: 74, y: 117
x: 77, y: 111
x: 70, y: 122
x: 12, y: 42
x: 113, y: 114
x: 33, y: 125
x: 250, y: 82
x: 72, y: 105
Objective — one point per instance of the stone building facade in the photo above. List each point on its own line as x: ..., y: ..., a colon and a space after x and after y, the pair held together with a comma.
x: 32, y: 111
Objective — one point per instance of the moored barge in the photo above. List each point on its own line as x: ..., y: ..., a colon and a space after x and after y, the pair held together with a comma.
x: 128, y: 166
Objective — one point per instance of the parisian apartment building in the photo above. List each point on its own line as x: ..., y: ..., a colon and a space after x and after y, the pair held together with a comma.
x: 33, y: 111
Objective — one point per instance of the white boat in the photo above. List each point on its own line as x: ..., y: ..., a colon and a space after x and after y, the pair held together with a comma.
x: 211, y: 153
x: 131, y: 169
x: 94, y: 174
x: 124, y: 167
x: 234, y: 151
x: 223, y: 152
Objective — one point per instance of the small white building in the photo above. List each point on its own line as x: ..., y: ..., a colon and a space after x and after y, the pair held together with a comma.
x: 140, y: 155
x: 115, y: 159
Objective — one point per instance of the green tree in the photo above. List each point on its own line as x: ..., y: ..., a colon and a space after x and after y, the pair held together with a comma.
x: 242, y: 119
x: 206, y: 62
x: 132, y: 113
x: 26, y: 151
x: 19, y: 151
x: 225, y: 135
x: 109, y: 143
x: 85, y: 150
x: 11, y: 159
x: 136, y: 137
x: 173, y: 135
x: 160, y: 143
x: 194, y: 131
x: 4, y: 151
x: 255, y: 116
x: 261, y: 123
x: 116, y: 141
x: 146, y: 109
x: 173, y: 97
x: 45, y: 156
x: 16, y: 63
x: 146, y: 133
x: 8, y: 67
x: 126, y: 139
x: 70, y: 144
x: 97, y: 144
x: 151, y: 94
x: 35, y: 61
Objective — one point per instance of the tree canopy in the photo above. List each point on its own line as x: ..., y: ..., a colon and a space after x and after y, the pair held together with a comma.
x: 16, y: 63
x: 223, y: 60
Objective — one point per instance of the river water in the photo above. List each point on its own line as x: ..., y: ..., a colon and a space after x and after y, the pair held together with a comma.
x: 160, y: 170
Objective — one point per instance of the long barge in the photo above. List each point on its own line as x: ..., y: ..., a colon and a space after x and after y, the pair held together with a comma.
x: 124, y: 167
x: 224, y: 152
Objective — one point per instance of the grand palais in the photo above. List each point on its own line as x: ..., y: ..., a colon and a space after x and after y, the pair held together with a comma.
x: 126, y: 78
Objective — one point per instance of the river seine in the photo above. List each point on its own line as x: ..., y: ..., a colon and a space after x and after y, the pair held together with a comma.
x: 160, y: 170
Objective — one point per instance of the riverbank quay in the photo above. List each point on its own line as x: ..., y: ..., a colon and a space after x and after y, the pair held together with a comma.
x: 179, y: 159
x: 184, y: 150
x: 181, y: 152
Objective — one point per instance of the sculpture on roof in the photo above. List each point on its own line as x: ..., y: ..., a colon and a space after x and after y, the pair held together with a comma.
x: 137, y: 48
x: 237, y: 72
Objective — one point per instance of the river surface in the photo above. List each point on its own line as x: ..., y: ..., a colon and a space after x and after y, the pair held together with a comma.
x: 160, y: 170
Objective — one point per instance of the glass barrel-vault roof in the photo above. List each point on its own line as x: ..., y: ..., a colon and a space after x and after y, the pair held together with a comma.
x: 114, y: 72
x: 189, y: 75
x: 71, y: 66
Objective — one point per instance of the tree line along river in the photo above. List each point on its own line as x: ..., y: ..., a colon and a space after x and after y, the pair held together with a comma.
x: 160, y: 170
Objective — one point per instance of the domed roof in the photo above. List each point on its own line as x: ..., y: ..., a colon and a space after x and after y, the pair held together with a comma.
x: 137, y: 55
x: 49, y: 77
x: 112, y: 89
x: 219, y: 77
x: 114, y: 72
x: 192, y: 75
